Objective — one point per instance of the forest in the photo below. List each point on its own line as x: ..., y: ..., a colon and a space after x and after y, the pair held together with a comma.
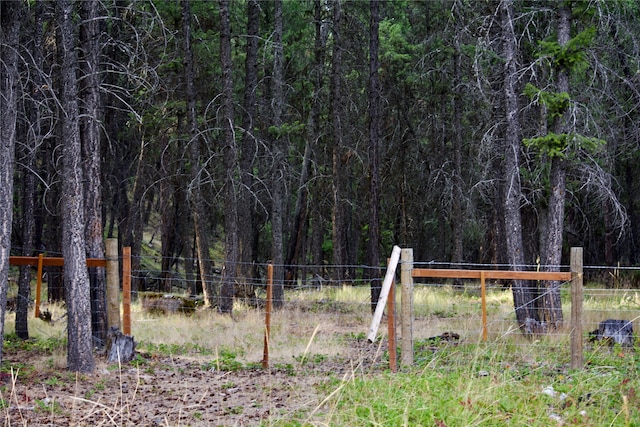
x: 314, y: 133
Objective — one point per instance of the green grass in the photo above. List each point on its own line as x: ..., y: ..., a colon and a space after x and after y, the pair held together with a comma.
x: 508, y: 381
x: 500, y: 382
x: 486, y: 386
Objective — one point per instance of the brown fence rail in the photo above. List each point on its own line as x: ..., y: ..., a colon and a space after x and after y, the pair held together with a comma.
x: 574, y: 276
x: 52, y: 261
x: 110, y: 263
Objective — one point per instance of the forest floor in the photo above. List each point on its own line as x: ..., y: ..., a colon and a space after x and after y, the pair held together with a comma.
x: 161, y: 390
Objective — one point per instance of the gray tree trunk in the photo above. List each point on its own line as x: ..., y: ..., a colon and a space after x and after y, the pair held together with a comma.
x: 299, y: 230
x: 551, y: 304
x: 278, y: 171
x: 339, y: 160
x: 90, y: 123
x: 375, y: 119
x: 457, y: 194
x: 230, y: 160
x: 34, y: 139
x: 523, y: 295
x: 195, y: 193
x: 248, y: 150
x: 10, y: 20
x: 77, y: 293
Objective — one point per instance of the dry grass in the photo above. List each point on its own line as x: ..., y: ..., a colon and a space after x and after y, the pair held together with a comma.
x: 317, y: 321
x: 321, y: 326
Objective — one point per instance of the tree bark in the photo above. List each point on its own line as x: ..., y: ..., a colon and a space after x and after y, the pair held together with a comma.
x: 551, y: 304
x: 278, y: 148
x: 375, y: 119
x: 121, y: 348
x: 10, y: 21
x: 230, y: 160
x: 339, y: 159
x: 300, y: 227
x: 27, y: 232
x: 457, y: 195
x: 34, y: 139
x: 77, y: 292
x: 90, y: 122
x: 249, y: 148
x: 523, y: 297
x: 195, y: 193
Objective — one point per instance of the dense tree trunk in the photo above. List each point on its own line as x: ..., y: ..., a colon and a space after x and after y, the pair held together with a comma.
x: 457, y: 195
x: 126, y: 152
x: 278, y: 171
x: 34, y: 138
x: 450, y: 158
x: 90, y: 124
x: 50, y: 194
x: 375, y: 119
x: 195, y: 194
x: 247, y: 154
x: 551, y: 304
x: 77, y: 292
x: 27, y: 233
x: 173, y: 231
x: 53, y: 223
x: 134, y: 214
x: 339, y: 158
x: 300, y: 225
x: 230, y: 160
x: 523, y: 297
x: 10, y: 20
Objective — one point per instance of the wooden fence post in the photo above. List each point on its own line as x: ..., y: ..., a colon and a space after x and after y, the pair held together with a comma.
x: 267, y: 320
x: 113, y: 284
x: 126, y: 290
x: 576, y: 307
x: 384, y: 293
x: 483, y: 294
x: 38, y: 285
x: 391, y: 328
x: 406, y: 280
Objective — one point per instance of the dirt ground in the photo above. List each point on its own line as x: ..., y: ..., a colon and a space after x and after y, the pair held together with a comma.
x: 170, y: 391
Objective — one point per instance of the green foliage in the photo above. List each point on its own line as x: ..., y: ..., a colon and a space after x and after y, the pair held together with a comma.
x: 393, y: 42
x: 286, y: 129
x: 551, y: 144
x: 226, y: 361
x: 556, y: 145
x: 396, y: 51
x: 53, y: 381
x: 555, y: 102
x: 48, y: 405
x: 572, y: 56
x: 46, y: 345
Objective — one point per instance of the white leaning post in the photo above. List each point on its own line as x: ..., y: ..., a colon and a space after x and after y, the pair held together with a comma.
x: 384, y: 293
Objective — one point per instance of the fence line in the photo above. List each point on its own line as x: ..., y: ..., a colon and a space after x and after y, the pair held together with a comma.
x: 307, y: 284
x: 109, y: 263
x: 575, y: 276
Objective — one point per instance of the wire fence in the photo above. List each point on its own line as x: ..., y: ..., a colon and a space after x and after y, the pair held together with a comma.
x: 335, y: 301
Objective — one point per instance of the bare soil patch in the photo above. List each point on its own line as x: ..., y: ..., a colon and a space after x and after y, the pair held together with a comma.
x: 160, y: 390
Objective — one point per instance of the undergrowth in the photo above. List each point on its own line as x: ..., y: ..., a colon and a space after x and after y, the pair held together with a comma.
x: 488, y: 386
x: 506, y: 381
